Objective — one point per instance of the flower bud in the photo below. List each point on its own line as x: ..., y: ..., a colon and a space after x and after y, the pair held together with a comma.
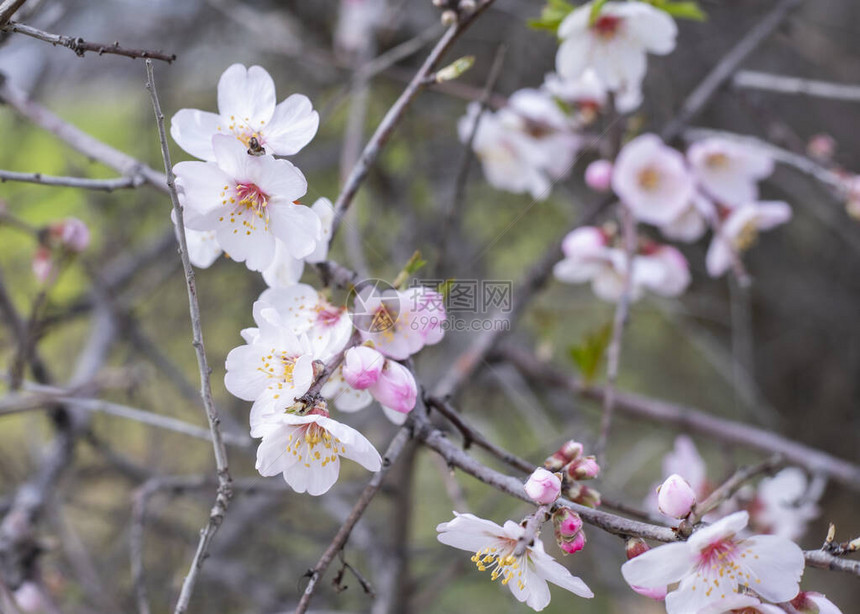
x: 395, y: 388
x: 588, y: 497
x: 362, y: 366
x: 570, y: 451
x: 543, y: 487
x: 810, y: 602
x: 71, y: 234
x: 574, y: 544
x: 598, y: 175
x: 568, y: 530
x: 449, y: 18
x: 43, y: 264
x: 585, y: 468
x: 675, y: 497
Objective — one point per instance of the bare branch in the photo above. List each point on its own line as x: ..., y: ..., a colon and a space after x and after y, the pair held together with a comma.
x: 224, y: 493
x: 80, y: 46
x: 105, y: 185
x: 752, y: 79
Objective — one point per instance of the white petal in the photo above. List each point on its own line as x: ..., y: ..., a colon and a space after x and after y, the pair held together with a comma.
x: 246, y: 96
x: 725, y: 527
x: 293, y: 125
x: 571, y: 59
x: 284, y: 270
x: 659, y: 567
x: 203, y: 248
x: 243, y: 379
x: 320, y: 479
x: 193, y: 130
x: 325, y: 211
x: 468, y: 532
x: 558, y: 574
x: 719, y: 257
x: 778, y: 563
x: 253, y: 245
x: 297, y: 226
x: 201, y: 188
x: 654, y: 29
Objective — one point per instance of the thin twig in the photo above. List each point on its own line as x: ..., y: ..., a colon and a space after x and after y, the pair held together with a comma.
x: 105, y: 185
x: 9, y: 8
x: 224, y: 492
x: 727, y: 66
x: 80, y: 46
x: 751, y: 79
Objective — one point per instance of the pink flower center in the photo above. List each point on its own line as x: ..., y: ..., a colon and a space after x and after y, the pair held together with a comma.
x: 606, y: 26
x: 252, y: 197
x: 649, y: 178
x: 328, y: 315
x: 717, y: 553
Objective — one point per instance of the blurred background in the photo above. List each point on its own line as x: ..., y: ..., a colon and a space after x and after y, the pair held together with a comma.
x: 795, y: 372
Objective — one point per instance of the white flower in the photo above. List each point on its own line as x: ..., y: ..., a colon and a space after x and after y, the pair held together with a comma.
x: 652, y: 180
x: 248, y: 201
x: 526, y: 576
x: 780, y: 507
x: 615, y: 43
x: 809, y: 602
x: 662, y: 269
x: 714, y: 562
x: 246, y: 108
x: 741, y: 604
x: 285, y: 270
x: 740, y: 230
x: 401, y: 323
x: 307, y: 450
x: 728, y: 172
x: 345, y: 397
x: 692, y: 222
x: 587, y: 94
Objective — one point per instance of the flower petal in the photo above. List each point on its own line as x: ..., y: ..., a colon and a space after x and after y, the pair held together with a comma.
x: 293, y: 125
x: 246, y: 96
x: 193, y: 130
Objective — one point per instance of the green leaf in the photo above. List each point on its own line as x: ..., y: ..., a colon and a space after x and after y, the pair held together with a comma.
x: 413, y: 266
x: 552, y: 15
x: 681, y: 9
x: 588, y: 354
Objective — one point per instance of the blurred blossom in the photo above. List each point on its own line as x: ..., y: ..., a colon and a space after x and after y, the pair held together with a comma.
x: 614, y: 42
x: 821, y: 147
x: 357, y: 21
x: 362, y: 366
x: 543, y: 487
x: 652, y: 180
x: 781, y: 506
x: 246, y: 110
x: 728, y: 172
x: 692, y: 222
x: 739, y: 232
x: 598, y: 175
x: 527, y: 575
x: 42, y: 264
x: 203, y: 248
x: 814, y: 603
x: 71, y: 233
x: 28, y: 597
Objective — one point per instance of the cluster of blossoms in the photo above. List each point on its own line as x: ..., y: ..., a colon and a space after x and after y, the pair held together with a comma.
x: 533, y: 140
x: 715, y: 185
x: 302, y: 354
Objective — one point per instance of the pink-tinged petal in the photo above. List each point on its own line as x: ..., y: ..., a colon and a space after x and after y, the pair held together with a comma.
x: 252, y: 245
x: 776, y: 564
x: 297, y: 226
x: 772, y: 213
x: 659, y: 567
x: 193, y: 130
x: 246, y: 96
x: 293, y: 125
x: 469, y: 532
x: 201, y: 188
x: 719, y: 257
x: 394, y: 416
x: 824, y: 605
x: 731, y: 602
x: 724, y: 528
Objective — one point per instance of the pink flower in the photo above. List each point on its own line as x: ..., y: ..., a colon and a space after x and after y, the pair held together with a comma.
x: 675, y: 497
x: 395, y: 389
x: 585, y: 468
x: 598, y: 175
x: 71, y: 233
x: 715, y: 562
x: 662, y: 269
x: 399, y: 324
x: 543, y: 487
x: 652, y: 180
x: 362, y: 366
x: 574, y: 544
x: 739, y: 232
x: 781, y: 506
x: 42, y: 264
x: 728, y: 172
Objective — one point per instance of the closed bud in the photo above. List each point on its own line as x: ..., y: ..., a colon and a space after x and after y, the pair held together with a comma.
x: 567, y: 523
x: 72, y: 234
x: 675, y: 497
x: 43, y: 264
x: 570, y: 451
x: 636, y: 546
x: 543, y: 487
x: 585, y: 468
x: 467, y: 6
x: 598, y: 175
x: 449, y: 18
x: 572, y: 491
x: 575, y: 544
x: 396, y: 388
x: 588, y: 497
x: 362, y: 367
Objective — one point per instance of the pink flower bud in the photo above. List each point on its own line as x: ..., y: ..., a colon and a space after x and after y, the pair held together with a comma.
x: 588, y: 497
x: 362, y: 366
x: 585, y: 468
x: 43, y: 264
x: 71, y: 233
x: 575, y: 544
x: 395, y: 388
x: 543, y: 487
x: 821, y: 147
x: 598, y: 175
x: 567, y: 522
x: 809, y: 602
x: 570, y: 451
x: 675, y: 497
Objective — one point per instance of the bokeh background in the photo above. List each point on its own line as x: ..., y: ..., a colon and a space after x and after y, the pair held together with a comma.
x: 799, y: 375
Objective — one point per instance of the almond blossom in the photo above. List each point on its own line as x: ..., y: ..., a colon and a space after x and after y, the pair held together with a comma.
x: 675, y: 497
x: 249, y: 202
x: 246, y: 110
x: 741, y: 604
x: 652, y: 180
x: 808, y: 602
x: 587, y: 94
x: 715, y: 562
x: 526, y: 575
x: 286, y: 270
x: 543, y: 487
x: 306, y: 450
x: 781, y: 505
x: 614, y: 42
x: 203, y: 248
x: 692, y: 222
x: 739, y: 232
x: 728, y: 172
